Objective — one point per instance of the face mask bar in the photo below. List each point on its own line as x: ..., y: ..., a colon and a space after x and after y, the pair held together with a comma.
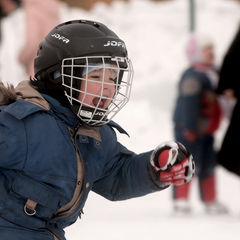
x: 106, y: 74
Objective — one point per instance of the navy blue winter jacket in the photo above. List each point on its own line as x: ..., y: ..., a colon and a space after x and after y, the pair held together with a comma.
x: 196, y: 106
x: 49, y: 163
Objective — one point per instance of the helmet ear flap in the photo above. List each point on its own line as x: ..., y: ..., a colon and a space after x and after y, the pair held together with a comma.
x: 52, y: 74
x: 49, y: 81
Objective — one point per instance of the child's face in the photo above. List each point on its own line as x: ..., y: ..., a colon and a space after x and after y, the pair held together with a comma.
x: 99, y: 88
x: 208, y: 55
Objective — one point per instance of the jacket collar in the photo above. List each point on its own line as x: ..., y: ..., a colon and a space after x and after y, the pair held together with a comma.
x: 63, y: 113
x: 26, y: 92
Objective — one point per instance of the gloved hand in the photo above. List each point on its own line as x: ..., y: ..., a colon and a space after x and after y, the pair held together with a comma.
x: 172, y: 163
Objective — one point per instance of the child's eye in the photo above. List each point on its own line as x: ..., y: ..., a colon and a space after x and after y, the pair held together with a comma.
x: 96, y: 77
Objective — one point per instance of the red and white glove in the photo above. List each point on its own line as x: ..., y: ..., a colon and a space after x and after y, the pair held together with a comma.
x: 172, y: 163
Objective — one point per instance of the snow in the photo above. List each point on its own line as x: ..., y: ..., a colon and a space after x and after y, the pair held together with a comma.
x: 155, y: 34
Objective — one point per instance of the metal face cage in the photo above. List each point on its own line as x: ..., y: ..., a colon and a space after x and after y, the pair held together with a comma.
x: 97, y: 87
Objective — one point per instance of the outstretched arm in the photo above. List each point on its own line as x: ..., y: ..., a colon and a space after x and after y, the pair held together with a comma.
x: 135, y: 175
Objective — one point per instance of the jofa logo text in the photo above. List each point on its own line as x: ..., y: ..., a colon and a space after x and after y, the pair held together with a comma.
x: 114, y: 44
x: 59, y: 37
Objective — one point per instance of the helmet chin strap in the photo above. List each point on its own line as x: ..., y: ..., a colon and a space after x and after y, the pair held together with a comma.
x: 92, y: 116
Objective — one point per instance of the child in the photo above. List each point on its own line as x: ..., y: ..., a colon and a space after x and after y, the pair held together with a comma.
x: 57, y: 139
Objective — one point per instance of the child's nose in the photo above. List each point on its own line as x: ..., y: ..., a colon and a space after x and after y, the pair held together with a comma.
x: 109, y: 84
x: 107, y: 91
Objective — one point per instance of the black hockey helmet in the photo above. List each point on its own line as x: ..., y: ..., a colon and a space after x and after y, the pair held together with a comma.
x: 70, y: 48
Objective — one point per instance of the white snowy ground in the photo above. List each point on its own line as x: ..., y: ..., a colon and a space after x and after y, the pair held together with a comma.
x: 155, y: 34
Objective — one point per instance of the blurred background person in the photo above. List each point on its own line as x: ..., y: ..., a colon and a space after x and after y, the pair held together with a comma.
x: 40, y: 18
x: 7, y: 7
x: 229, y: 86
x: 197, y: 116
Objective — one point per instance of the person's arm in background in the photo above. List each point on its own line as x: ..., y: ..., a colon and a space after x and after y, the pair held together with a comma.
x: 228, y: 89
x: 229, y: 83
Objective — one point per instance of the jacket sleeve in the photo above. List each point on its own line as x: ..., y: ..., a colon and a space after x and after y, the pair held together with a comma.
x: 12, y: 142
x: 128, y: 175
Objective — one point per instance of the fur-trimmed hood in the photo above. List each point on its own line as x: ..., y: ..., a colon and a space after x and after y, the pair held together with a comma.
x: 24, y: 90
x: 7, y: 94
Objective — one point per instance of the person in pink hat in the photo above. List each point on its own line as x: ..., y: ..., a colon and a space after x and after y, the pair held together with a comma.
x: 197, y: 115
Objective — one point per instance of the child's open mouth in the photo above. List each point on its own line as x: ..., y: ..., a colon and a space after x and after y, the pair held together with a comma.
x: 99, y: 102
